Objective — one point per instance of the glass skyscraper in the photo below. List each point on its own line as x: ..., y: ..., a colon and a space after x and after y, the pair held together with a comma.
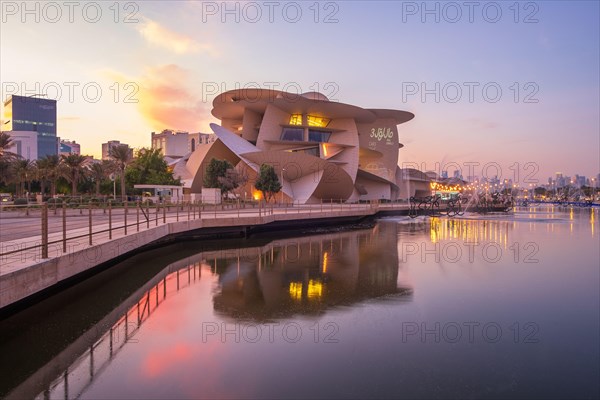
x: 33, y: 114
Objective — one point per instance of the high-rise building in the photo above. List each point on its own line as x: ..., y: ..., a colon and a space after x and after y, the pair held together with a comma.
x: 35, y: 115
x: 24, y: 144
x: 107, y: 147
x: 69, y: 147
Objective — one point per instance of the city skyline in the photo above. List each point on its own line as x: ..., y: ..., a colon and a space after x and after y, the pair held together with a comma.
x: 543, y: 64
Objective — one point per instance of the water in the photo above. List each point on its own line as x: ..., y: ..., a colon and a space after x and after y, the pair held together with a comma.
x: 495, y: 306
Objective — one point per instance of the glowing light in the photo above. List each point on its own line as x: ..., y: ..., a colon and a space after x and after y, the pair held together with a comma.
x: 296, y: 119
x: 315, y: 289
x: 325, y: 258
x: 317, y: 121
x: 295, y: 290
x: 256, y: 195
x: 325, y: 150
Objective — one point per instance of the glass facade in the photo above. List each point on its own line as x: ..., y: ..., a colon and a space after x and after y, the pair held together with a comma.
x: 34, y: 114
x: 317, y: 121
x: 293, y: 134
x: 296, y: 119
x: 318, y: 136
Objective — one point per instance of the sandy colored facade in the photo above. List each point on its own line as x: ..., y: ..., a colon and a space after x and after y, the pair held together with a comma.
x: 322, y: 150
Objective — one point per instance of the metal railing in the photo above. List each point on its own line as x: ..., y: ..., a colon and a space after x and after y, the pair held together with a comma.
x: 41, y: 227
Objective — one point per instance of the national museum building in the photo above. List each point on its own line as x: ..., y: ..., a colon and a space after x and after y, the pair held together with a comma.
x: 321, y: 150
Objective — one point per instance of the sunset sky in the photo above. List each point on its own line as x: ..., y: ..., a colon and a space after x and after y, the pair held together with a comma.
x: 160, y: 64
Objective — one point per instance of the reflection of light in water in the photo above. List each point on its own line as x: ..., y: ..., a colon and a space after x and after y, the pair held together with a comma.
x: 468, y: 230
x: 82, y: 372
x: 592, y: 220
x: 434, y: 229
x: 315, y: 289
x: 325, y: 255
x: 296, y: 290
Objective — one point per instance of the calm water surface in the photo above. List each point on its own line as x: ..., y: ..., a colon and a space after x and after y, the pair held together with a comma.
x: 490, y: 306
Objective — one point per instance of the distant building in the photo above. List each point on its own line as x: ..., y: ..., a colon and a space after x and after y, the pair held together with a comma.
x: 412, y: 182
x: 432, y: 175
x: 24, y: 143
x: 67, y: 147
x: 33, y: 114
x: 107, y: 147
x: 177, y: 144
x: 199, y: 138
x: 171, y: 143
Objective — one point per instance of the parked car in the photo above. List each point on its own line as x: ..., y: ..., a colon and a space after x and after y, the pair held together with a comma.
x: 5, y: 197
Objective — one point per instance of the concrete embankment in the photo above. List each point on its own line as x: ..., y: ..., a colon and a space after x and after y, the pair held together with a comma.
x: 20, y: 287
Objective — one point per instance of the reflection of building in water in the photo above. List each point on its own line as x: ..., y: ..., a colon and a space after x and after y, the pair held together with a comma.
x: 300, y: 275
x: 308, y: 275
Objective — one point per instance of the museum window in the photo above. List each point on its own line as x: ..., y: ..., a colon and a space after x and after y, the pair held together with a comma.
x: 296, y: 119
x: 318, y: 136
x: 317, y: 121
x: 293, y: 134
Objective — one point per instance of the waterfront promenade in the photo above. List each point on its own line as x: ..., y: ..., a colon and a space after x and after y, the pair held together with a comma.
x: 42, y: 247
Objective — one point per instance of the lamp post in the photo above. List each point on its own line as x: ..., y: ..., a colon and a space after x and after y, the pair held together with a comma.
x: 114, y: 179
x: 282, y: 169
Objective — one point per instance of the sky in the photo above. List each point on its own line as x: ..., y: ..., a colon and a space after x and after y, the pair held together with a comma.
x: 497, y: 88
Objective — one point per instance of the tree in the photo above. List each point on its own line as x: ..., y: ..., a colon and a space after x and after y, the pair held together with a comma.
x: 23, y: 171
x: 6, y: 157
x: 150, y: 167
x: 267, y: 182
x: 149, y: 160
x: 75, y: 167
x: 48, y: 170
x: 6, y: 142
x: 216, y: 169
x: 100, y: 171
x: 231, y: 181
x: 221, y: 174
x: 122, y: 157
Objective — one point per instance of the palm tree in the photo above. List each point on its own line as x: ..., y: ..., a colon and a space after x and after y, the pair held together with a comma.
x: 122, y: 157
x: 101, y: 171
x: 6, y: 157
x: 75, y: 167
x: 41, y: 173
x: 48, y: 169
x: 23, y: 171
x: 6, y: 142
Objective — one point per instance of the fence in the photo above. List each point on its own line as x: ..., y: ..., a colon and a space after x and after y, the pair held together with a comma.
x: 40, y: 227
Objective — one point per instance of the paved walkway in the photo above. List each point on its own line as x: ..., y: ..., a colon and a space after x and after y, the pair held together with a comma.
x: 20, y: 234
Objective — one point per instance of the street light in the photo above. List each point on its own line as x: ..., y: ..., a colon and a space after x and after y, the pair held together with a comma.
x: 282, y: 169
x: 114, y: 179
